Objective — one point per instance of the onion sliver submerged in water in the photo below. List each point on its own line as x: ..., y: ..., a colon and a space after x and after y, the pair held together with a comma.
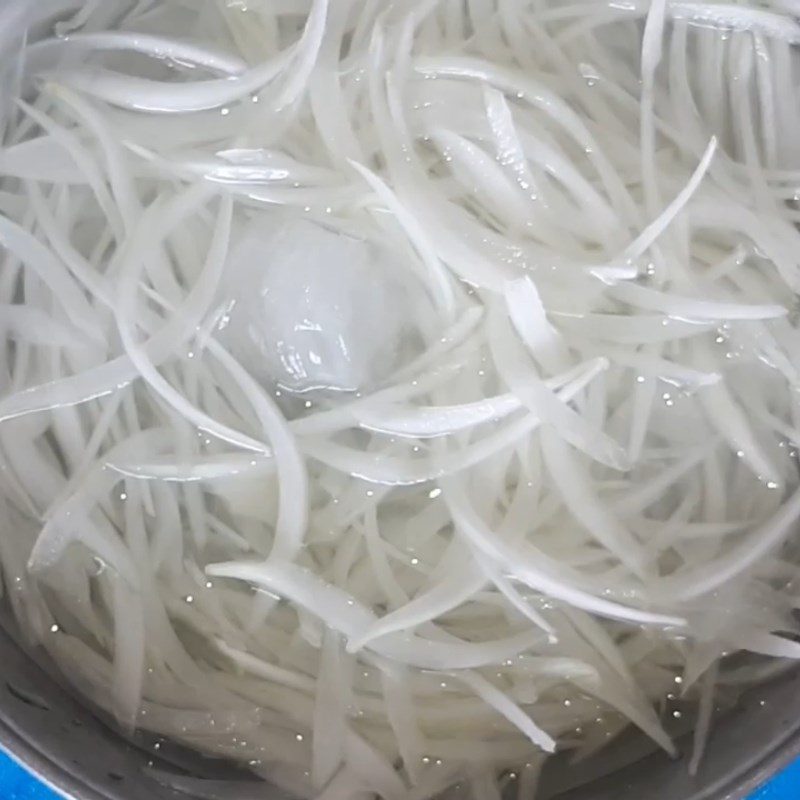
x: 393, y: 396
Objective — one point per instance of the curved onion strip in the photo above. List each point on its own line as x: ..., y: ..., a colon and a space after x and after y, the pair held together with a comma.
x: 142, y: 94
x: 158, y: 47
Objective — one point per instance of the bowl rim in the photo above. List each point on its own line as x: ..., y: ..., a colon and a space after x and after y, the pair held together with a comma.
x: 42, y: 768
x: 66, y: 784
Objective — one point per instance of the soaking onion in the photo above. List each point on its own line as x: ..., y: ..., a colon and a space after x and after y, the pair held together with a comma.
x: 393, y: 395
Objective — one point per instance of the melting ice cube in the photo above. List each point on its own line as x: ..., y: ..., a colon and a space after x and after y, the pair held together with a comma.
x: 309, y: 308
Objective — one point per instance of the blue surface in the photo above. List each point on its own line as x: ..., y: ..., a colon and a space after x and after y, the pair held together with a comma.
x: 16, y: 784
x: 785, y: 786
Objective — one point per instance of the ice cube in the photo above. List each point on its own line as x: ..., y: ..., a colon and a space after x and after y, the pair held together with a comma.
x: 309, y: 308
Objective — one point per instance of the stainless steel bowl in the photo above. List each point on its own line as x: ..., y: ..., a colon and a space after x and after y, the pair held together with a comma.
x: 79, y: 753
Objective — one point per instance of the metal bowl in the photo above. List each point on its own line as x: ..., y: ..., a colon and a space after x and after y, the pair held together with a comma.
x: 79, y: 753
